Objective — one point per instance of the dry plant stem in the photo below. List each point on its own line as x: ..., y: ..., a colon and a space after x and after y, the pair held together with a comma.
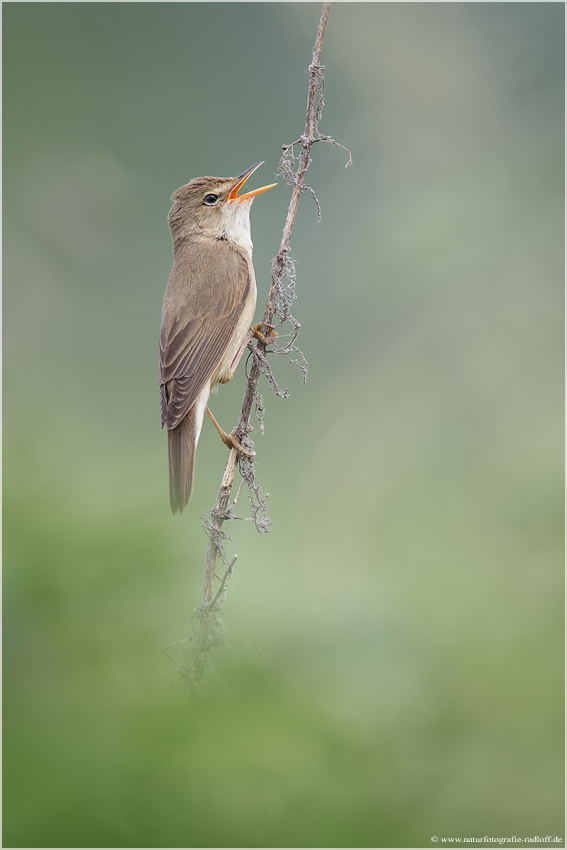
x: 278, y: 269
x: 219, y: 513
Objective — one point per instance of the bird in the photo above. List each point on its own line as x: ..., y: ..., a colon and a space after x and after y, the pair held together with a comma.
x: 207, y: 311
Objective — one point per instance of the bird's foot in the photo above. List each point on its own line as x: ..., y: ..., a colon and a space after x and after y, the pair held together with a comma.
x: 261, y: 337
x: 229, y: 440
x: 232, y: 443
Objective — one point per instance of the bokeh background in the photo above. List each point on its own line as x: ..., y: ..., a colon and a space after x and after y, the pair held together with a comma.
x: 393, y: 668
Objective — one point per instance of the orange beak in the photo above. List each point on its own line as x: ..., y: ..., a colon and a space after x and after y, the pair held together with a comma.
x: 241, y: 180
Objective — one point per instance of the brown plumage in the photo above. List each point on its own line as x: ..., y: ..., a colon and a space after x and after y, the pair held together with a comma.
x: 208, y: 307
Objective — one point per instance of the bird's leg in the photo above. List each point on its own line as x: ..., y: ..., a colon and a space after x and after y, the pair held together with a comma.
x: 254, y: 332
x: 230, y: 374
x: 229, y: 439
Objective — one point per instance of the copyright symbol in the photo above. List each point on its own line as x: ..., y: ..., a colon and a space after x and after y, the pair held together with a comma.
x: 434, y: 838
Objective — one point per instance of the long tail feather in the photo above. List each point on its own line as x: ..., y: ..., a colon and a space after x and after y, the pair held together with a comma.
x: 182, y: 444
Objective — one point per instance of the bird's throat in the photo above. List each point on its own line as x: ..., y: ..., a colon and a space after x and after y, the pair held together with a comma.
x: 236, y: 224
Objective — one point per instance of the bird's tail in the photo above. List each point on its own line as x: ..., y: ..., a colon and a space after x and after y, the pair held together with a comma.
x: 181, y: 444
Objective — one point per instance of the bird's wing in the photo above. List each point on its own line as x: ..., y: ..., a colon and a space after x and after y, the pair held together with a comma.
x: 207, y: 291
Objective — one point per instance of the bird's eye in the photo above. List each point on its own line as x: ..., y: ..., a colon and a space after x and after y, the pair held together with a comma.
x: 210, y: 200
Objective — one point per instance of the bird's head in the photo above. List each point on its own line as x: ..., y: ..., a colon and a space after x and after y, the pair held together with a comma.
x: 212, y: 207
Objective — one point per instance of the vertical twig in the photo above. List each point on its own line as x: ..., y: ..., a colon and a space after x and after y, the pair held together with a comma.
x: 219, y: 515
x: 208, y: 610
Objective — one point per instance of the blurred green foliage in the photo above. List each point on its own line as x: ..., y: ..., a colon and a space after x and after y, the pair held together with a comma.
x: 394, y: 661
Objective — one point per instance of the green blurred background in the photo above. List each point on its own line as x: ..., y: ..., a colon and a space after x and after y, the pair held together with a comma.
x: 394, y: 661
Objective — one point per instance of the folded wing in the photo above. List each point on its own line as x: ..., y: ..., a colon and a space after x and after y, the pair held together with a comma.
x: 206, y: 294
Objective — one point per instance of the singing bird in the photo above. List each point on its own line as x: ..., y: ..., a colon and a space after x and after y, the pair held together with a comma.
x: 207, y: 311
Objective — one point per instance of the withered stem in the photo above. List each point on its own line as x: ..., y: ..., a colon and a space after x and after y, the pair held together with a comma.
x: 278, y: 270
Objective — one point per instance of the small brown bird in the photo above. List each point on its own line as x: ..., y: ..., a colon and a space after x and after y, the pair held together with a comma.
x: 208, y: 307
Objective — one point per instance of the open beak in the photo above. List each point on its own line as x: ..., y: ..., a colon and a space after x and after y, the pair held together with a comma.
x: 241, y: 180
